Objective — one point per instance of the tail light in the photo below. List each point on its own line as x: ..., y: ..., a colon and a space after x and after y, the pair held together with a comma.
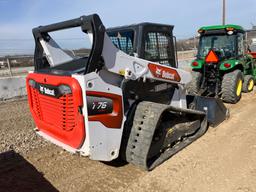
x: 230, y: 29
x: 195, y: 64
x: 227, y: 65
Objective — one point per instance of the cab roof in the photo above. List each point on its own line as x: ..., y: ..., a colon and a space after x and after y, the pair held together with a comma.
x: 217, y: 27
x: 144, y: 24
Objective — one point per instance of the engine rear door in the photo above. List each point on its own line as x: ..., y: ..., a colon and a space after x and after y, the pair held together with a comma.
x: 55, y: 103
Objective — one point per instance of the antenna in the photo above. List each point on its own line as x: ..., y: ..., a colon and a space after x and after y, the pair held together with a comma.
x: 223, y: 12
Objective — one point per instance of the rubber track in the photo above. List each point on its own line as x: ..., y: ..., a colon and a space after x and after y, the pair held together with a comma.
x: 145, y: 122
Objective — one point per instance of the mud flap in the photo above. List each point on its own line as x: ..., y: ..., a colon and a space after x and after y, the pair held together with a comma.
x: 216, y: 112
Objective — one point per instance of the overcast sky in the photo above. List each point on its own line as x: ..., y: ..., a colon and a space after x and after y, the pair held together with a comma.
x: 18, y: 17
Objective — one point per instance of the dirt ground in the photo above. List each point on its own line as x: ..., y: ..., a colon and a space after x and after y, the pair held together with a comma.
x: 223, y: 160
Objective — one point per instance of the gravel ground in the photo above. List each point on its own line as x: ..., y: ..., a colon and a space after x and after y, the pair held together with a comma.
x: 222, y: 160
x: 16, y: 128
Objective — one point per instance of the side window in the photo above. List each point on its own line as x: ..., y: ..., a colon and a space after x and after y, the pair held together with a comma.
x: 157, y: 48
x: 123, y: 40
x: 240, y: 44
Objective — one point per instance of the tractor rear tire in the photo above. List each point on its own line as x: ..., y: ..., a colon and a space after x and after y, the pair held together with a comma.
x: 193, y: 86
x: 231, y: 87
x: 248, y: 84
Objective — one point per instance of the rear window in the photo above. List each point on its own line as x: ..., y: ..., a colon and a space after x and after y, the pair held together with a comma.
x: 123, y: 40
x: 73, y: 41
x: 66, y: 50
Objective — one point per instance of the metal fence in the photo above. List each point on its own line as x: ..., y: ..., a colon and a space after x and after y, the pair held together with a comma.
x: 20, y: 65
x: 15, y: 65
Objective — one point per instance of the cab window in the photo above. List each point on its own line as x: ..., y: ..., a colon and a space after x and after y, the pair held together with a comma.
x: 123, y: 40
x: 157, y: 48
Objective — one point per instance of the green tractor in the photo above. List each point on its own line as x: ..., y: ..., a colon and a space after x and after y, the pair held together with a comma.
x: 223, y: 66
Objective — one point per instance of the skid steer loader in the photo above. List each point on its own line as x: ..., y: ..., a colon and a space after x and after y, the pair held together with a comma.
x: 110, y: 104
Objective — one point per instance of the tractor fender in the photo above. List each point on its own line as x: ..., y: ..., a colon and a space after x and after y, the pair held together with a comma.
x: 197, y: 64
x: 234, y: 64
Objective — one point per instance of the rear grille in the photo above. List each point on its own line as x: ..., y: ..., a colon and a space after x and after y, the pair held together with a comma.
x: 56, y: 104
x: 59, y: 112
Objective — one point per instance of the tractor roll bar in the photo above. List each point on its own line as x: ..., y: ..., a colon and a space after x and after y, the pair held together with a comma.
x: 90, y: 23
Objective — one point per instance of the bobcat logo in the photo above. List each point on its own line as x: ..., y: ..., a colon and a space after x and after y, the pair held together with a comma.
x: 41, y: 89
x: 158, y: 71
x: 163, y: 72
x: 47, y: 91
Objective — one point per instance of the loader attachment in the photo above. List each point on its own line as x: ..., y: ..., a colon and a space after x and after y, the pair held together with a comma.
x: 216, y: 112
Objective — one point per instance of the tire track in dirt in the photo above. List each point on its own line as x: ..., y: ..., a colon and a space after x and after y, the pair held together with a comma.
x: 222, y: 160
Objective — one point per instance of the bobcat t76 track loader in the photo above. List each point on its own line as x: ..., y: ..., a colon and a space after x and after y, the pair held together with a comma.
x: 109, y: 103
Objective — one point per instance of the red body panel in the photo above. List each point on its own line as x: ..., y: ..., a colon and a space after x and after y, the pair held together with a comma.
x: 110, y: 120
x: 58, y: 117
x: 164, y: 72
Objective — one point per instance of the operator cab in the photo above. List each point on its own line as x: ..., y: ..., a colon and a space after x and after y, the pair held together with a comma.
x: 227, y: 41
x: 150, y: 41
